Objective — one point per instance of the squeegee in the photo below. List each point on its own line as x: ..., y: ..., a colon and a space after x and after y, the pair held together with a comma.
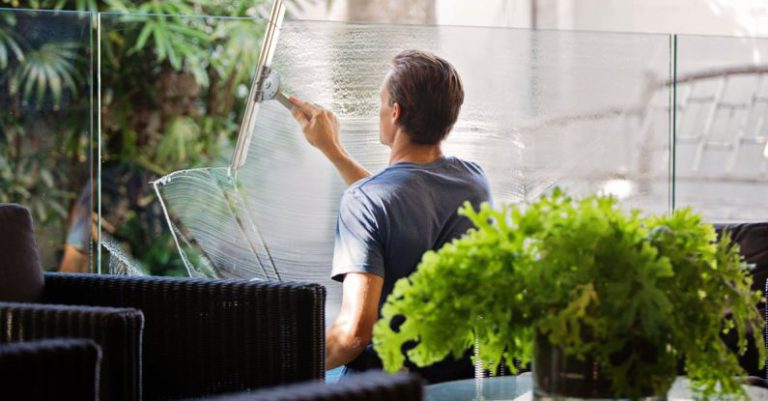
x: 265, y: 86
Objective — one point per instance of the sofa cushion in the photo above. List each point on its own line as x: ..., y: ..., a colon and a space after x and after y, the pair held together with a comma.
x: 752, y: 239
x: 21, y: 278
x: 753, y: 243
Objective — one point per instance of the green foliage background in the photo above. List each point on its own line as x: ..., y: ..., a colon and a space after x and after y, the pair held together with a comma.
x: 593, y: 280
x: 173, y: 96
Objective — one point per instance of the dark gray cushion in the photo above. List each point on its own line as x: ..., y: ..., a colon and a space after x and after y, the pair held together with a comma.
x: 753, y: 243
x: 21, y: 278
x: 752, y: 239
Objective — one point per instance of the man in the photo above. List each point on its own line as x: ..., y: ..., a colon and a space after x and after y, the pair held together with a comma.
x: 388, y: 220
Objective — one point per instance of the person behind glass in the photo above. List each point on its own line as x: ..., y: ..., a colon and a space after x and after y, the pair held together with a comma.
x: 388, y: 220
x: 80, y: 228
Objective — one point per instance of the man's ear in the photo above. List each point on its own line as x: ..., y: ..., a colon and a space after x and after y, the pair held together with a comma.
x: 395, y: 112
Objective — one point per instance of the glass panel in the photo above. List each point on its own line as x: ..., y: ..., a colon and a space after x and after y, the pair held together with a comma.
x: 722, y: 111
x: 588, y: 112
x: 46, y: 141
x: 172, y: 97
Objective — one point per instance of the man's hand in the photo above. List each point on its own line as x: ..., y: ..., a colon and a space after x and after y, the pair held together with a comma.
x: 321, y: 128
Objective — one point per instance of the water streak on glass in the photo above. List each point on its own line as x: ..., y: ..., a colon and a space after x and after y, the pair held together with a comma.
x: 119, y: 261
x: 588, y: 112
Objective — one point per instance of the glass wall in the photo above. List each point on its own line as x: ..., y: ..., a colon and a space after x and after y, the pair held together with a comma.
x: 46, y: 129
x: 588, y: 112
x: 721, y: 158
x: 172, y: 97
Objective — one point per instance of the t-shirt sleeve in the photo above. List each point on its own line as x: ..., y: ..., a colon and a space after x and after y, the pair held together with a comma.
x: 358, y: 246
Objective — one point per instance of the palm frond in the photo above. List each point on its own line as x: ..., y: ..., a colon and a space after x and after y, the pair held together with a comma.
x: 177, y: 39
x: 8, y: 43
x: 49, y: 69
x: 117, y: 6
x: 239, y: 53
x: 80, y: 5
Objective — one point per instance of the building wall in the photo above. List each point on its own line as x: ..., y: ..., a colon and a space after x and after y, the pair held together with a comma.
x: 710, y: 17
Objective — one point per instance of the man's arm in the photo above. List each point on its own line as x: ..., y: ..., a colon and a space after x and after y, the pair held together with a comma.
x: 351, y: 171
x: 352, y: 330
x: 321, y: 128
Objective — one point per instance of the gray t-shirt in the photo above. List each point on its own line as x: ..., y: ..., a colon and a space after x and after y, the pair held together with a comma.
x: 387, y: 221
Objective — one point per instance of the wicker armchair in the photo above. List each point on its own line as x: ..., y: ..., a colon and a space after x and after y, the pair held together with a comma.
x: 205, y: 337
x: 200, y: 337
x: 49, y: 370
x: 116, y: 330
x: 369, y: 386
x: 163, y: 338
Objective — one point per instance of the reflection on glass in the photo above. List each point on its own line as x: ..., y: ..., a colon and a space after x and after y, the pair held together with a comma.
x: 722, y: 126
x: 45, y: 129
x: 588, y: 112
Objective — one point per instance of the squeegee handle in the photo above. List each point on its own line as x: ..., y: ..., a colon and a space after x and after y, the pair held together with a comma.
x: 280, y: 97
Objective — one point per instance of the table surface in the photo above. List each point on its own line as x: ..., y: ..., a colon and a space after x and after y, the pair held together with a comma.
x: 519, y: 388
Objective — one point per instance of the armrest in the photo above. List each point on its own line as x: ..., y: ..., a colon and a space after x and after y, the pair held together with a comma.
x: 116, y: 330
x: 369, y: 386
x: 50, y: 369
x: 207, y: 336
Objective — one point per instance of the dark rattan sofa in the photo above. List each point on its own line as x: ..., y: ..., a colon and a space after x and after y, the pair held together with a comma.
x: 369, y: 386
x: 163, y: 338
x: 49, y: 370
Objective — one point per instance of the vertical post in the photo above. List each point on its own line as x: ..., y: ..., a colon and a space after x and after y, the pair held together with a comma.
x: 478, y: 371
x: 673, y: 122
x: 98, y: 143
x: 478, y: 362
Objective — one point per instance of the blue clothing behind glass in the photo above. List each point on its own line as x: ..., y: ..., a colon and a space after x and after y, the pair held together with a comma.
x: 387, y: 221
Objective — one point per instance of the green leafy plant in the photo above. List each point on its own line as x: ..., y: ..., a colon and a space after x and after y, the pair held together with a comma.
x: 591, y: 279
x: 171, y: 77
x: 173, y: 80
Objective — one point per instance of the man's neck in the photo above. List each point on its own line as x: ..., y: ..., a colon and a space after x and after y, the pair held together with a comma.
x: 405, y: 151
